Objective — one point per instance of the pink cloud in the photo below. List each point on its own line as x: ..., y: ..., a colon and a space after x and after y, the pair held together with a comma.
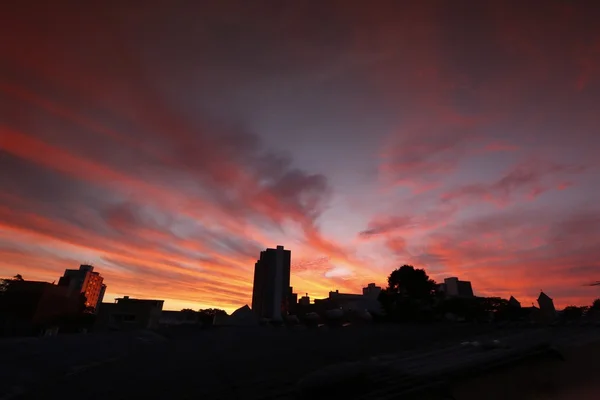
x: 497, y: 146
x: 521, y: 253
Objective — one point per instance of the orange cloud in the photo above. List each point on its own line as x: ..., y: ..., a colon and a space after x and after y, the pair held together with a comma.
x: 141, y: 241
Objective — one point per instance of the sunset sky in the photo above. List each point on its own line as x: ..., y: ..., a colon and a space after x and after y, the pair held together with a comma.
x: 168, y: 144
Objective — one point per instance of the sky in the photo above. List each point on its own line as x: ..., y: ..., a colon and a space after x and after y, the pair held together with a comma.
x: 168, y: 145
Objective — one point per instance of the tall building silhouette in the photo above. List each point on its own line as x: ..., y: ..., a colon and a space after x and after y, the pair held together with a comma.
x: 272, y: 292
x: 85, y: 280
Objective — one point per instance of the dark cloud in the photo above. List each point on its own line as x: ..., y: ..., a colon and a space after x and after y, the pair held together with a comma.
x: 424, y: 218
x: 127, y: 119
x: 582, y: 226
x: 529, y: 178
x: 428, y: 150
x: 387, y: 226
x: 433, y: 261
x: 203, y: 155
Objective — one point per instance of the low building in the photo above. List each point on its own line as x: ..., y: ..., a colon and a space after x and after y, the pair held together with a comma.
x: 304, y: 300
x: 344, y: 297
x: 453, y: 287
x: 33, y: 307
x: 129, y: 314
x: 371, y: 290
x: 350, y: 301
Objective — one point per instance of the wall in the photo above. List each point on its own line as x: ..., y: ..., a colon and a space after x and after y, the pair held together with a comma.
x: 128, y: 315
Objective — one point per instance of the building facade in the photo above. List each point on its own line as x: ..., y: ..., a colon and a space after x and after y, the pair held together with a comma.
x: 29, y: 307
x: 367, y: 301
x: 453, y: 287
x: 513, y: 302
x: 546, y: 305
x: 183, y: 317
x: 85, y: 280
x: 271, y: 293
x: 304, y: 300
x: 129, y: 314
x: 371, y: 290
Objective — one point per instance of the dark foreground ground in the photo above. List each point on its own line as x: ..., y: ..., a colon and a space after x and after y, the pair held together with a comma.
x: 224, y: 363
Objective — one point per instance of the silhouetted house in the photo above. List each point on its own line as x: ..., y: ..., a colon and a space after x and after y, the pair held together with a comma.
x: 271, y: 291
x: 514, y: 302
x: 129, y: 314
x: 546, y: 305
x: 453, y: 287
x: 85, y: 280
x: 32, y: 307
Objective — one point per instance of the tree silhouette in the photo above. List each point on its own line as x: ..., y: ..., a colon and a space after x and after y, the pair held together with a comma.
x: 409, y: 295
x: 212, y: 311
x: 5, y: 283
x: 410, y: 282
x: 207, y: 316
x: 595, y: 305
